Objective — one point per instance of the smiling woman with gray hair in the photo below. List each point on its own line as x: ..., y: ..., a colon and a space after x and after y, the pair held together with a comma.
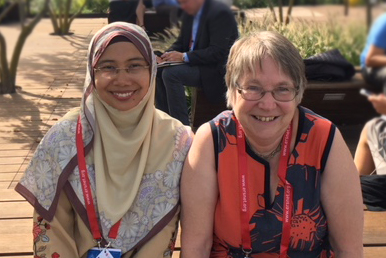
x: 269, y: 178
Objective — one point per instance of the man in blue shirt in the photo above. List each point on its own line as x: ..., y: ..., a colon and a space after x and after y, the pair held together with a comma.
x: 207, y: 33
x: 373, y: 57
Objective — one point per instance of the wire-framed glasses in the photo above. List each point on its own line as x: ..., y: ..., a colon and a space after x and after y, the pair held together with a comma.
x: 110, y: 71
x: 281, y: 93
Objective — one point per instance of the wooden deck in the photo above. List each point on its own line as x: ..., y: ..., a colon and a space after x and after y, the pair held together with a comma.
x: 16, y: 229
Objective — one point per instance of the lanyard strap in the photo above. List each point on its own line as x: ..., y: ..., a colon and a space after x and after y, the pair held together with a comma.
x: 246, y: 242
x: 243, y: 179
x: 86, y: 188
x: 288, y: 192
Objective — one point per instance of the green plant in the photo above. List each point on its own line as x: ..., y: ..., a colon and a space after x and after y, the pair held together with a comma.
x: 63, y: 12
x: 315, y: 37
x: 97, y: 6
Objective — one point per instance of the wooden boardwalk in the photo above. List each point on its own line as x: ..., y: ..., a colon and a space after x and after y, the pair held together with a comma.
x: 50, y: 77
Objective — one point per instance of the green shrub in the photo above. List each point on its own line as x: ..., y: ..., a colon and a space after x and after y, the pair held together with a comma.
x: 315, y: 37
x: 310, y: 37
x: 97, y: 6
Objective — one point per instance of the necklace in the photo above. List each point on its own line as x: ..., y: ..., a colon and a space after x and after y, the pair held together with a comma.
x: 270, y: 155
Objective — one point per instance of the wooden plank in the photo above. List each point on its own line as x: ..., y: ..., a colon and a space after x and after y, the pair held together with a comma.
x: 176, y: 254
x: 7, y: 177
x: 374, y: 232
x: 7, y: 195
x: 15, y: 236
x: 4, y: 185
x: 18, y: 146
x: 17, y: 209
x: 374, y: 252
x: 13, y: 153
x: 11, y: 160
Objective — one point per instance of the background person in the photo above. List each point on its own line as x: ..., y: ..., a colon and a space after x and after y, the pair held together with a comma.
x: 208, y: 31
x: 269, y: 178
x: 131, y: 154
x: 370, y: 157
x: 373, y: 57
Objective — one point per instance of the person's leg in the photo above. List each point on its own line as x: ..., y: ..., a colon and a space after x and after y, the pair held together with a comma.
x: 140, y: 12
x: 175, y: 78
x: 376, y: 78
x: 161, y: 101
x: 122, y: 11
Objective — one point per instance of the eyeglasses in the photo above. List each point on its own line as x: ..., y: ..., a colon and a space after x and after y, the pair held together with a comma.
x: 110, y: 71
x: 282, y: 93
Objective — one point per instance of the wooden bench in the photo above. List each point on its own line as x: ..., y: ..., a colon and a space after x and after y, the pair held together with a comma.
x: 340, y: 102
x: 16, y: 229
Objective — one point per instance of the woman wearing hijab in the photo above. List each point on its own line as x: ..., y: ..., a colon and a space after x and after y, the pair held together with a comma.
x: 269, y: 179
x: 106, y: 176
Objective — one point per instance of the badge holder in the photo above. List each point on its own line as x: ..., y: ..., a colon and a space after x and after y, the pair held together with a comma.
x: 247, y: 252
x: 104, y: 252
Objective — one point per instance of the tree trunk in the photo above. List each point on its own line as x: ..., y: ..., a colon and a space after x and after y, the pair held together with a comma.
x: 290, y: 5
x: 60, y: 16
x: 369, y: 18
x: 346, y: 6
x: 280, y: 3
x: 270, y: 4
x: 8, y: 73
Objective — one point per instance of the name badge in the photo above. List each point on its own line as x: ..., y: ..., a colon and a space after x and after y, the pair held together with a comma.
x: 104, y: 253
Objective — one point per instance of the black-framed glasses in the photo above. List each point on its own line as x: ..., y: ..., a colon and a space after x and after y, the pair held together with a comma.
x: 110, y: 71
x: 281, y: 93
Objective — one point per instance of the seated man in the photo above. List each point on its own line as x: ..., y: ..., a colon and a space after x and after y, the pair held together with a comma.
x: 373, y: 57
x: 207, y: 33
x: 370, y: 157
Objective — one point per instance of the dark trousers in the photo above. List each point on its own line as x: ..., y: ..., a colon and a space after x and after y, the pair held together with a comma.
x: 123, y: 11
x: 170, y: 90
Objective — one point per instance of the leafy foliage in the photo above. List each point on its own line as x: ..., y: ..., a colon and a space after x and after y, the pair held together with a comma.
x: 63, y: 12
x: 315, y: 37
x: 97, y: 6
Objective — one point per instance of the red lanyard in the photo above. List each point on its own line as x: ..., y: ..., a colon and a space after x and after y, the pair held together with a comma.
x: 243, y: 179
x: 86, y: 188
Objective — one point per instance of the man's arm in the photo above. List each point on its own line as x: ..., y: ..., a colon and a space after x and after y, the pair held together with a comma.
x: 376, y: 57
